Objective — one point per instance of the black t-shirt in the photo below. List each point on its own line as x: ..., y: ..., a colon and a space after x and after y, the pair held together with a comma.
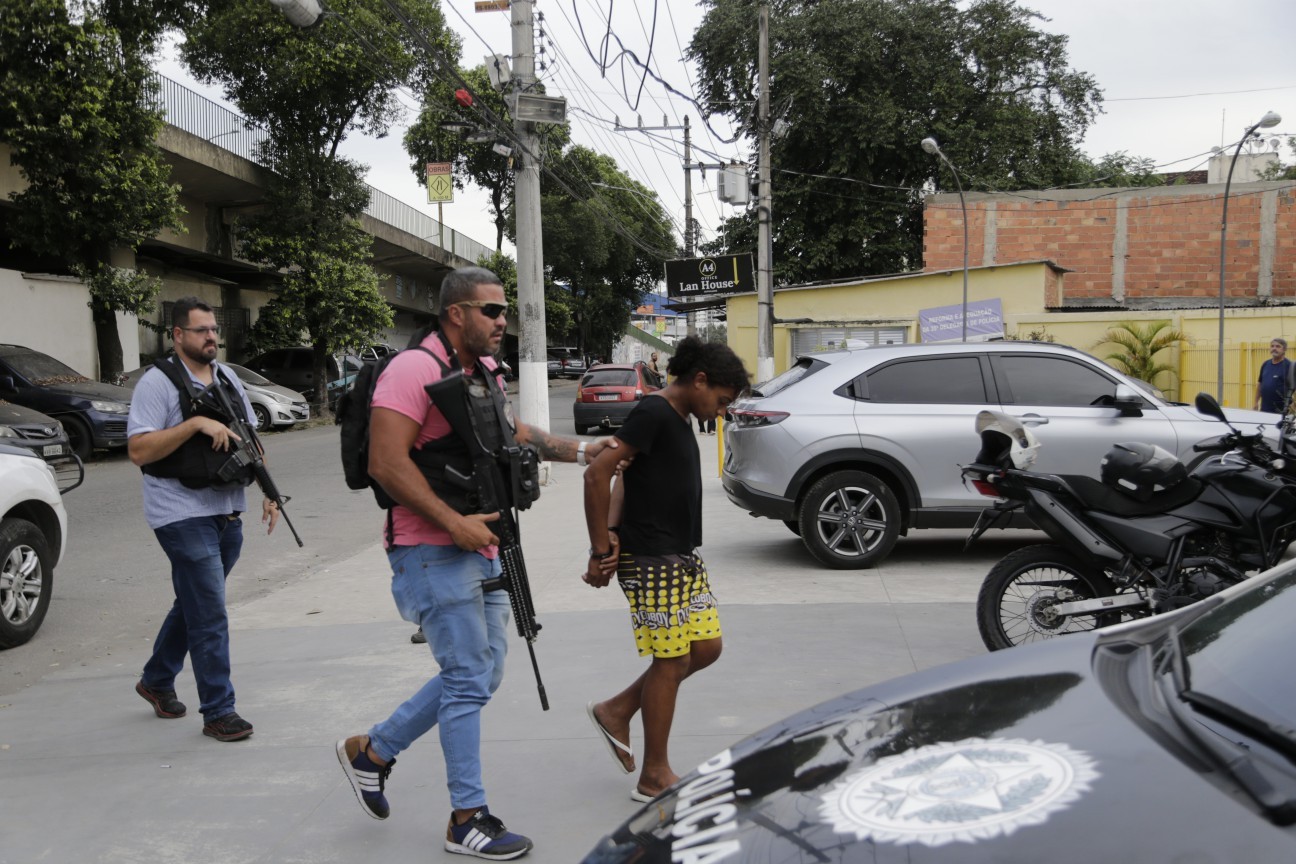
x: 663, y: 486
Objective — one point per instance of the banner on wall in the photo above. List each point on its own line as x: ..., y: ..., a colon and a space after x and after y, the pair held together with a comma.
x: 945, y: 323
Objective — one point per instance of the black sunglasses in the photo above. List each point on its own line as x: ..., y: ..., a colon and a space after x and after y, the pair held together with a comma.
x: 490, y: 310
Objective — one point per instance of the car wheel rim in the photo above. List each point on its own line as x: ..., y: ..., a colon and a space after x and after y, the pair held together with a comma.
x: 851, y: 522
x: 20, y: 585
x: 1026, y: 610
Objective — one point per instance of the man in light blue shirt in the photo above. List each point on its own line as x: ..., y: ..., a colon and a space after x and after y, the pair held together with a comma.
x: 195, y: 514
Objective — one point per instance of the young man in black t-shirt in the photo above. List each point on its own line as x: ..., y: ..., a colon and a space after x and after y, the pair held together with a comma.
x: 646, y: 529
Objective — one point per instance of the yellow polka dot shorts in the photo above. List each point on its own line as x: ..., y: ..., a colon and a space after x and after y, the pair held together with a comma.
x: 671, y: 604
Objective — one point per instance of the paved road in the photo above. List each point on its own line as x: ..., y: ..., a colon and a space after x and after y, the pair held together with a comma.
x: 114, y: 583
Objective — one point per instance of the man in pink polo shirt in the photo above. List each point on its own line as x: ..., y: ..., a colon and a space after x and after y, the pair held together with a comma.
x: 441, y: 552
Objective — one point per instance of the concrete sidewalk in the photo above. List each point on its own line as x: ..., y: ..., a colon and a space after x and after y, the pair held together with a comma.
x: 88, y: 774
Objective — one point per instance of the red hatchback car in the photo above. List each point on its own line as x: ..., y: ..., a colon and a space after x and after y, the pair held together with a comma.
x: 608, y: 392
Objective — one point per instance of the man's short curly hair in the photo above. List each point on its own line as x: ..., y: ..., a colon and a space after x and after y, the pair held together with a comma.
x: 722, y: 366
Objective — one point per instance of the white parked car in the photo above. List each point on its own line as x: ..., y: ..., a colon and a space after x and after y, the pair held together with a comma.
x: 33, y: 534
x: 275, y: 407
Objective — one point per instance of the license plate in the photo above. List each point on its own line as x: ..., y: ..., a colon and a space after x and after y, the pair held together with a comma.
x: 52, y: 450
x: 607, y: 397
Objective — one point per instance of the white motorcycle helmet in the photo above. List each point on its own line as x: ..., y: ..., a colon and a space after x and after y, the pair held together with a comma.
x: 1023, y: 448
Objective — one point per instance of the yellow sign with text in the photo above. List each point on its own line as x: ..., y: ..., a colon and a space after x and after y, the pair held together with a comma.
x: 439, y: 184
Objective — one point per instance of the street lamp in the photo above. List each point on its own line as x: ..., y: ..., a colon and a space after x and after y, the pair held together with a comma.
x: 1268, y: 121
x: 301, y: 13
x: 930, y: 146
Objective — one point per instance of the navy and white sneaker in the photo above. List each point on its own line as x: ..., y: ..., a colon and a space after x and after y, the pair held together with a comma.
x: 368, y: 778
x: 485, y: 836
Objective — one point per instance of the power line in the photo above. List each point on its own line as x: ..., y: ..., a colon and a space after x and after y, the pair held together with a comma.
x: 1195, y: 95
x: 604, y: 65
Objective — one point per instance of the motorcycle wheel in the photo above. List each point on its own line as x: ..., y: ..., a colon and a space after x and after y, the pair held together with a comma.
x: 1015, y: 602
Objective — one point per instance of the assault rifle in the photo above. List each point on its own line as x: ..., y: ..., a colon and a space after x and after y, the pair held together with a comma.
x: 494, y: 492
x: 248, y: 454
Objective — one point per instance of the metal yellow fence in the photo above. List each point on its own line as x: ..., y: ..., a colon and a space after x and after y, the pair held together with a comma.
x: 1199, y: 371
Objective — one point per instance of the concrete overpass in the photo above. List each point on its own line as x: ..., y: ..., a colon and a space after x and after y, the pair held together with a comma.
x: 212, y: 154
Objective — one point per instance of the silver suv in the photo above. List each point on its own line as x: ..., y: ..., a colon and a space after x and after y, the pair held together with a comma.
x: 851, y: 449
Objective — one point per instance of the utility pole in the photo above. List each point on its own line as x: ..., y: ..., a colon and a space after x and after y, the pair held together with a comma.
x: 688, y: 194
x: 690, y: 319
x: 533, y: 376
x: 690, y: 236
x: 764, y: 251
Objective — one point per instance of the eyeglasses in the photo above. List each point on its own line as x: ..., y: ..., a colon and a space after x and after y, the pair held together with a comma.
x: 215, y: 331
x: 489, y: 309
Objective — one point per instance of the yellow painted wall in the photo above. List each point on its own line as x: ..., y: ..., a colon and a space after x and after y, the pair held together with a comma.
x: 887, y: 303
x: 1021, y: 288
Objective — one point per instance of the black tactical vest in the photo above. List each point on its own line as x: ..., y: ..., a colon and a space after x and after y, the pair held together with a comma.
x: 437, y: 458
x: 194, y: 463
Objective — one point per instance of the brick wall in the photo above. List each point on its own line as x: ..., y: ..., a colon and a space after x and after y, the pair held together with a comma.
x: 1132, y: 244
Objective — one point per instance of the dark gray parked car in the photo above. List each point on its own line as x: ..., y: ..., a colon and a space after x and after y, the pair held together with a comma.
x: 32, y: 430
x: 851, y: 449
x: 92, y: 413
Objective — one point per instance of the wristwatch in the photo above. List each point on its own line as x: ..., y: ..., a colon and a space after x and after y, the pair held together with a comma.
x: 594, y: 553
x: 580, y: 454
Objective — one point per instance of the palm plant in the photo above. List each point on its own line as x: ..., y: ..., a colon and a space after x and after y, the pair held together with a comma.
x: 1137, y: 346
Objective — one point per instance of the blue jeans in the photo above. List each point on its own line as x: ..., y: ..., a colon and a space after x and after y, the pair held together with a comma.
x: 203, y: 551
x: 440, y: 588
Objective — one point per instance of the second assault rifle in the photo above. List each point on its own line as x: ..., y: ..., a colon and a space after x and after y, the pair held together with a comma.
x: 248, y: 454
x: 501, y: 479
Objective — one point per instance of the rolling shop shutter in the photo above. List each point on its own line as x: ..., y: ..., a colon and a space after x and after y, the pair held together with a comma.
x: 810, y: 340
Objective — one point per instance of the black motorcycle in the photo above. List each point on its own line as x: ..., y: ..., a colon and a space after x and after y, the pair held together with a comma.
x: 1154, y: 537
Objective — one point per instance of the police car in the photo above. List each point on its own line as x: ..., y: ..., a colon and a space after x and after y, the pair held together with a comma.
x: 1166, y: 739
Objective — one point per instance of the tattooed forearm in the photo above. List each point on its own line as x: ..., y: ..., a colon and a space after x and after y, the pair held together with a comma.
x: 553, y: 447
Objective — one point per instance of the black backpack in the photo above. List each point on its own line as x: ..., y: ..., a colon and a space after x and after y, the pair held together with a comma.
x: 353, y: 416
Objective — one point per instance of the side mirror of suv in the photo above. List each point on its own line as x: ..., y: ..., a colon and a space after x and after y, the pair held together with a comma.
x: 1128, y: 401
x: 7, y: 384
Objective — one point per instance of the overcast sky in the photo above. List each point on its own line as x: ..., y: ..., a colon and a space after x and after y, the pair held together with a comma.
x: 1178, y: 77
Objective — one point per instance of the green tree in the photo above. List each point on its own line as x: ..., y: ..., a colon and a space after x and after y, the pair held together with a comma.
x: 604, y: 245
x: 80, y: 116
x: 1118, y: 170
x: 310, y: 90
x: 1137, y: 346
x: 427, y: 140
x: 446, y: 131
x: 715, y: 333
x: 1278, y: 170
x: 860, y: 83
x: 505, y: 268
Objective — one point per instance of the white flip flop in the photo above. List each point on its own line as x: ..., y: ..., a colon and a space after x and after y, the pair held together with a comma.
x: 613, y: 745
